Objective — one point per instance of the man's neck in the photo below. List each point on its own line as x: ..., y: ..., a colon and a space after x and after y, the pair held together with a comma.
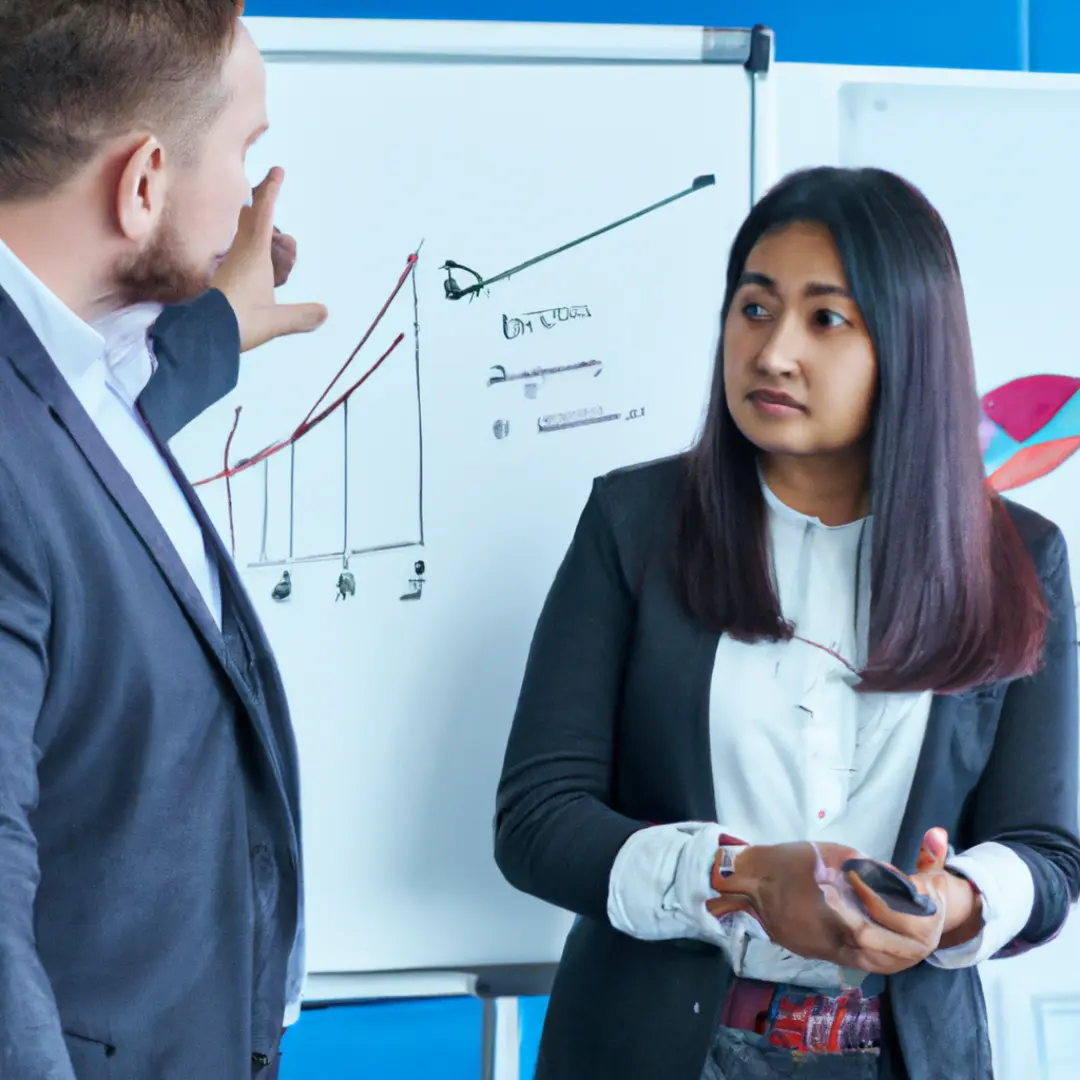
x: 40, y: 235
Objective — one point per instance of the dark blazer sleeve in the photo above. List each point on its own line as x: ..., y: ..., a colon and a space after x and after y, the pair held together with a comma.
x: 1027, y: 797
x: 556, y: 836
x: 197, y: 348
x: 31, y: 1043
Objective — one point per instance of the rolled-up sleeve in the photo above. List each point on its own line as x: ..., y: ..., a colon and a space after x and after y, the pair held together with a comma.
x: 1008, y: 898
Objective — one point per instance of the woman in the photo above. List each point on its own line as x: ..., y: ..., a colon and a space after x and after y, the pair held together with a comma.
x: 819, y: 625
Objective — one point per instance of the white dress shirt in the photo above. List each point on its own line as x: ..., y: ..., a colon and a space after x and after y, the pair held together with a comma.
x: 107, y: 381
x: 798, y: 754
x: 107, y: 366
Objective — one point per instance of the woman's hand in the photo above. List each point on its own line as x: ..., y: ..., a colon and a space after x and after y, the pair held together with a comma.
x: 780, y: 885
x: 808, y: 905
x: 961, y: 900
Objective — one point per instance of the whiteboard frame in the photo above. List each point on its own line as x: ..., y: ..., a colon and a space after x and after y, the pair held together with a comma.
x: 395, y: 39
x: 307, y: 40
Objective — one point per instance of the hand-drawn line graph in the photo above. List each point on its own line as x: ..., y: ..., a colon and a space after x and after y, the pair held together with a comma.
x: 315, y: 417
x: 319, y: 413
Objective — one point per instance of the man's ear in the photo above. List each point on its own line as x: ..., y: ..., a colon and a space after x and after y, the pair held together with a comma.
x: 140, y: 195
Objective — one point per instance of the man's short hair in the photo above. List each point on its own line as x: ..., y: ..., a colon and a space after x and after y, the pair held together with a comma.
x: 76, y: 73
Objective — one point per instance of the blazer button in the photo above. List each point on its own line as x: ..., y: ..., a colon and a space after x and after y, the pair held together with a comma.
x: 260, y: 1060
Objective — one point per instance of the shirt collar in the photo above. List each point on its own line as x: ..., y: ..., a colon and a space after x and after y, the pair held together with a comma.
x: 128, y: 355
x: 114, y: 349
x: 75, y: 348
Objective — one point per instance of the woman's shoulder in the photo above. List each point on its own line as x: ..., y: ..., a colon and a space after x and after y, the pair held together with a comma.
x: 1042, y: 537
x: 639, y: 494
x: 639, y: 506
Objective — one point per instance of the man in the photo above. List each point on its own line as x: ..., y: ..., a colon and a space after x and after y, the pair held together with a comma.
x: 149, y: 824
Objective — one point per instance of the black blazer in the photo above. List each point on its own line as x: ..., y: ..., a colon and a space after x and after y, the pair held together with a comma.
x: 149, y: 821
x: 612, y: 733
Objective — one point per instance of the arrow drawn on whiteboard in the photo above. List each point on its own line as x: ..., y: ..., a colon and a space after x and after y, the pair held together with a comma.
x: 455, y: 292
x: 500, y: 374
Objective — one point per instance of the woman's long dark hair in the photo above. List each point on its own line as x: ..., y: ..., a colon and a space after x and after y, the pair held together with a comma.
x: 955, y: 598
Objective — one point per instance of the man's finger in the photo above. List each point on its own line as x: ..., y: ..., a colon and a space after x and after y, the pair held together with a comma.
x: 264, y: 199
x: 285, y: 319
x: 282, y: 256
x: 284, y: 246
x: 275, y: 174
x: 283, y: 241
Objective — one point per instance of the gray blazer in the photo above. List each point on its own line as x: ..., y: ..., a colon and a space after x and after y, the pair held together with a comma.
x: 612, y: 733
x: 149, y: 823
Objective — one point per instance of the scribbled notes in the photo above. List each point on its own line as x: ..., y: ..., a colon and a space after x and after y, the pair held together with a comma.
x: 575, y: 418
x: 515, y: 326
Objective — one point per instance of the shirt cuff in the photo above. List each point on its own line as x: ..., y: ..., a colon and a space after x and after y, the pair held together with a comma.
x: 661, y: 880
x: 1008, y: 896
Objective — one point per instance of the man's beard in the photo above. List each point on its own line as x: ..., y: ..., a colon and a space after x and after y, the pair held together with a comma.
x: 159, y: 273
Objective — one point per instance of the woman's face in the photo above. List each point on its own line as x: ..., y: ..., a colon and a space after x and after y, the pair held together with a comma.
x: 799, y: 369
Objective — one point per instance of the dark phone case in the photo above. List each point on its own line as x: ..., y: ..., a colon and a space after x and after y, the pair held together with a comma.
x: 896, y: 890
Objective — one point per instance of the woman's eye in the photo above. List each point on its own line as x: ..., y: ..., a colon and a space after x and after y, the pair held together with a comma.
x: 829, y: 319
x: 754, y: 311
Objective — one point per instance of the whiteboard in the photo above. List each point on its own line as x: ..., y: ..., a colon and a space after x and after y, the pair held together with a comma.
x: 491, y: 145
x: 992, y: 152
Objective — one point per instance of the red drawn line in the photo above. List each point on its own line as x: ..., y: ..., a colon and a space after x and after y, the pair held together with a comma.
x: 256, y: 459
x: 409, y: 265
x: 228, y: 485
x: 311, y: 420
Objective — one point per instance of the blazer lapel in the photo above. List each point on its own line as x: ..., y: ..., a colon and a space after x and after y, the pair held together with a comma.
x: 231, y: 586
x: 33, y: 363
x: 673, y: 702
x: 233, y: 592
x: 697, y: 695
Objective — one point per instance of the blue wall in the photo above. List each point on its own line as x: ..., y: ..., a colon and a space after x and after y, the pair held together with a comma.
x: 415, y: 1040
x: 1040, y: 35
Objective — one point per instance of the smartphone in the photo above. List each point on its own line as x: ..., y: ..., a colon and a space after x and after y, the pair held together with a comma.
x: 898, y: 891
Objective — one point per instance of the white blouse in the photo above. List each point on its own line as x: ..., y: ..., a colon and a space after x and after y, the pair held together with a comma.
x: 798, y: 754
